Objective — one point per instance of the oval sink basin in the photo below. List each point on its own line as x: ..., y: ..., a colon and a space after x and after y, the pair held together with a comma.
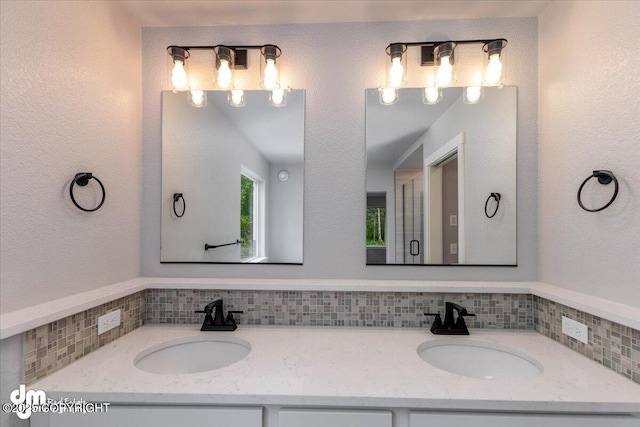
x: 188, y: 355
x: 479, y: 359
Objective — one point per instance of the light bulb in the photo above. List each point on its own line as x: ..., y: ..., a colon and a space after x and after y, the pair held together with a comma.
x: 224, y: 74
x: 431, y: 95
x: 197, y: 98
x: 270, y: 75
x: 388, y: 95
x: 445, y: 72
x: 473, y: 94
x: 396, y: 72
x: 277, y: 97
x: 179, y: 76
x: 237, y: 97
x: 494, y: 69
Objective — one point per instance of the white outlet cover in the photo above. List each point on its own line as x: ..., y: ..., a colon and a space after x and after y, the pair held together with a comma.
x: 453, y: 220
x: 109, y: 321
x: 576, y: 330
x: 453, y: 248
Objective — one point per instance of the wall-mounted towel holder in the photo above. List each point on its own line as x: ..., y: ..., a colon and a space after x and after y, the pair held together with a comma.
x: 604, y: 177
x: 176, y: 198
x: 495, y: 196
x: 208, y: 246
x: 82, y: 179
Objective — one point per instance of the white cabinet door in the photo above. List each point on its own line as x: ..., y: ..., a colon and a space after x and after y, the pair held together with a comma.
x: 333, y: 418
x: 156, y: 416
x: 439, y: 419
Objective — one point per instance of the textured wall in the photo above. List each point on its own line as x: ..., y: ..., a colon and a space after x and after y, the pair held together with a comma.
x: 71, y: 89
x: 590, y: 119
x: 335, y: 63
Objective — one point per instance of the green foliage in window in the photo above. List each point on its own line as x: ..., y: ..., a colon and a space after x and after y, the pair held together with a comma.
x: 376, y: 220
x: 246, y: 216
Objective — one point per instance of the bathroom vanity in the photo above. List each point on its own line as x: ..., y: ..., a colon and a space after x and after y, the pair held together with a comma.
x: 347, y: 377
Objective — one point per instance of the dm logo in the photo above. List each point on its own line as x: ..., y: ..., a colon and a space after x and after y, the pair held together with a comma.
x: 25, y: 400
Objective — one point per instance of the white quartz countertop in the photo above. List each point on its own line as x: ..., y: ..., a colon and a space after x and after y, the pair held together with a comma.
x: 341, y: 367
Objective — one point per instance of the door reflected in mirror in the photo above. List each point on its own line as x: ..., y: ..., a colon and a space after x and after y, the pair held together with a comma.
x: 431, y: 170
x: 241, y: 175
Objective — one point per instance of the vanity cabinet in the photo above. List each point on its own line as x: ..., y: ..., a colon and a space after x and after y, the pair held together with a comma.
x: 479, y: 419
x: 155, y: 416
x: 334, y: 418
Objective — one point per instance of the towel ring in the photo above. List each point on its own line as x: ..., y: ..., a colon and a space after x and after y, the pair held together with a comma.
x: 495, y: 196
x: 82, y: 179
x: 604, y: 177
x: 176, y: 197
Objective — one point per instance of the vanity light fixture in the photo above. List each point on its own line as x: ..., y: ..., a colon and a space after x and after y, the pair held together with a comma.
x: 225, y: 57
x: 228, y: 59
x: 493, y: 71
x: 443, y: 69
x: 268, y: 69
x: 397, y: 66
x: 179, y: 79
x: 441, y: 56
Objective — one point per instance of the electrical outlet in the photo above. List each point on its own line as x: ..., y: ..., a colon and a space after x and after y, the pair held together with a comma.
x: 576, y: 330
x: 453, y: 220
x: 109, y: 321
x: 453, y: 249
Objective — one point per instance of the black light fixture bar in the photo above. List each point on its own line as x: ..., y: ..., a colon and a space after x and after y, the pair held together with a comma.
x: 240, y: 61
x: 427, y: 48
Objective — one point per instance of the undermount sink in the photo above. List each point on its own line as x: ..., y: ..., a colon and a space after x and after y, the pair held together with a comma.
x: 192, y: 354
x: 479, y: 359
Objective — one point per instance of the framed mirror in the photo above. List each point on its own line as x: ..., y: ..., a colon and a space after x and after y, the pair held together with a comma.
x: 441, y: 178
x: 232, y: 179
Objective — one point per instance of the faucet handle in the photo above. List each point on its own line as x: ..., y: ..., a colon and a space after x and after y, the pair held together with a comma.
x: 230, y: 320
x: 437, y: 322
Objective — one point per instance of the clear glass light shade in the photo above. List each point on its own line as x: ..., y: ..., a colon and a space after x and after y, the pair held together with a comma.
x: 198, y: 98
x: 431, y: 95
x: 225, y: 58
x: 494, y: 69
x: 269, y: 72
x: 473, y: 94
x: 397, y: 66
x: 388, y: 95
x: 236, y: 98
x: 278, y: 98
x: 179, y: 79
x: 444, y: 70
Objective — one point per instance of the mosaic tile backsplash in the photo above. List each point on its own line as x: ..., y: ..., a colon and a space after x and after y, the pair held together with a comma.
x: 51, y: 347
x: 331, y: 308
x: 612, y: 345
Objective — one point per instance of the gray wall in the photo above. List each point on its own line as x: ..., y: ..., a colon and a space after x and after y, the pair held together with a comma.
x: 286, y: 214
x: 70, y: 103
x: 335, y: 63
x: 589, y: 104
